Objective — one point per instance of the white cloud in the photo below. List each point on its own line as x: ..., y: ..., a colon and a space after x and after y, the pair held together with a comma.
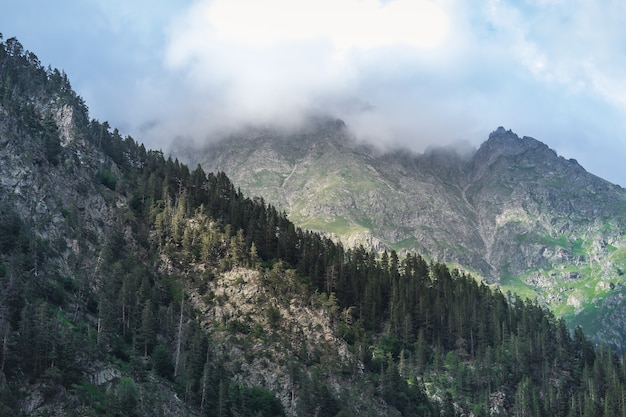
x: 345, y: 23
x: 278, y: 59
x: 418, y: 72
x: 576, y: 44
x: 415, y: 72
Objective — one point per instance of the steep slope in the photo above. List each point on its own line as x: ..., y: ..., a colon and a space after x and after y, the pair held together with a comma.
x: 120, y: 274
x: 513, y: 212
x: 132, y: 286
x: 93, y: 320
x: 328, y: 183
x: 555, y: 228
x: 60, y: 223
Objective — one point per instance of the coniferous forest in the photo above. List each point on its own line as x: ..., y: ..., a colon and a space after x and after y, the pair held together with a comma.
x: 429, y: 340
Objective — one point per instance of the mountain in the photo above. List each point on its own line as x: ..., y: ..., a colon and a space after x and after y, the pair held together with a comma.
x: 512, y: 212
x: 131, y: 285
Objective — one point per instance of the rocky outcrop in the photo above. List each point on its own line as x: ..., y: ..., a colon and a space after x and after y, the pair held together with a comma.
x: 268, y: 326
x: 61, y: 200
x: 104, y: 375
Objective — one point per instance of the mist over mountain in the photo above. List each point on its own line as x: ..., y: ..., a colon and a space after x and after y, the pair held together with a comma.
x: 134, y: 285
x: 511, y: 211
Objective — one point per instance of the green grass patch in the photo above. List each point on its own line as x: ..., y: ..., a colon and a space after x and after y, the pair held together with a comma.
x: 587, y: 319
x: 266, y: 178
x: 520, y: 288
x: 618, y: 257
x: 516, y: 285
x: 406, y: 244
x: 338, y: 225
x: 359, y: 182
x: 565, y: 311
x: 363, y: 219
x: 577, y: 247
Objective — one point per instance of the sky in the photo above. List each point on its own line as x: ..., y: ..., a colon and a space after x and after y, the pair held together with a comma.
x: 413, y: 73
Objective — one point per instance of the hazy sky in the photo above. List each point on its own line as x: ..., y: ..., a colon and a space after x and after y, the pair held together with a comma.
x: 414, y: 72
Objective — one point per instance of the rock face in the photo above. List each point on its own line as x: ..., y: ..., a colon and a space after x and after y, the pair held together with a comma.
x: 513, y: 212
x: 57, y: 213
x: 61, y: 202
x: 284, y: 327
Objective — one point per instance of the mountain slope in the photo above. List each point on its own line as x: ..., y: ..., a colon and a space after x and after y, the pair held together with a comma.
x: 132, y: 286
x: 512, y: 212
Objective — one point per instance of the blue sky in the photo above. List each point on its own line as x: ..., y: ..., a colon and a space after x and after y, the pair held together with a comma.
x: 417, y: 73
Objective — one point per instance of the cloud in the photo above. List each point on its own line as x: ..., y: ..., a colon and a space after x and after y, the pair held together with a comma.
x: 412, y: 72
x: 344, y: 23
x: 573, y: 44
x: 279, y: 60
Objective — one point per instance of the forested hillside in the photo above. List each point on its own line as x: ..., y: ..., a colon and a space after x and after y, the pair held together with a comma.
x: 132, y: 285
x: 512, y: 212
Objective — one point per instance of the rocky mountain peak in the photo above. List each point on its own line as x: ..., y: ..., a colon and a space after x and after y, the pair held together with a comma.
x: 501, y: 132
x: 506, y: 142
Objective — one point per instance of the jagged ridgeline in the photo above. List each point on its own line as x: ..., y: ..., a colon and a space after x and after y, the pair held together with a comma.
x: 512, y: 212
x: 132, y: 285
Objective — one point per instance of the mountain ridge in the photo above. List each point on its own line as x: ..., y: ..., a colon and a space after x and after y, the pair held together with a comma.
x: 513, y: 211
x: 131, y: 286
